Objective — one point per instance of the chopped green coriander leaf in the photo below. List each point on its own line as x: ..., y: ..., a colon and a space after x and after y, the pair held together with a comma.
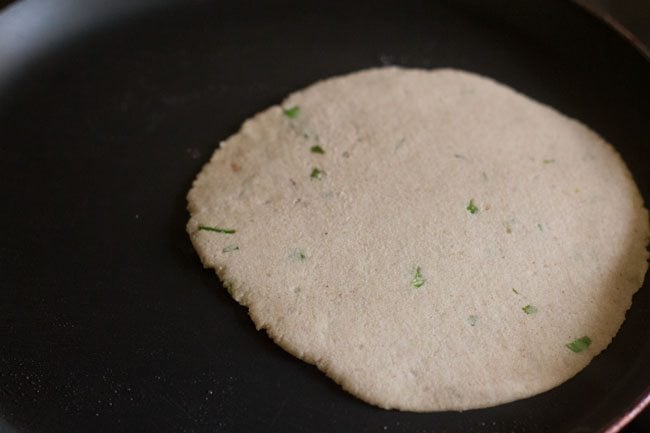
x: 316, y: 174
x: 539, y: 226
x: 217, y: 229
x: 292, y: 112
x: 298, y: 254
x: 472, y: 319
x: 471, y: 207
x: 418, y: 280
x: 515, y: 290
x: 317, y: 149
x: 529, y: 309
x: 230, y: 249
x: 579, y: 344
x: 549, y: 161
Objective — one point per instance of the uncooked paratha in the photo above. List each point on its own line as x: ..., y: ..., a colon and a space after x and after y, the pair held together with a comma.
x: 431, y: 240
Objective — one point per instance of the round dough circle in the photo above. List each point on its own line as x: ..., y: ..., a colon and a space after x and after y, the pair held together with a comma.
x: 431, y: 240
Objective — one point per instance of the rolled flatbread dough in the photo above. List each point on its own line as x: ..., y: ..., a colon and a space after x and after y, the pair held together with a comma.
x: 431, y: 240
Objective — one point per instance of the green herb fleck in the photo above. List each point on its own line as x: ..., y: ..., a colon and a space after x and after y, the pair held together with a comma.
x: 529, y: 309
x: 484, y: 176
x: 471, y: 207
x: 298, y: 255
x: 230, y: 249
x: 292, y: 112
x: 472, y: 319
x: 317, y: 149
x: 515, y: 290
x: 539, y: 226
x: 418, y: 280
x: 217, y: 229
x: 549, y: 161
x: 579, y: 344
x: 317, y: 174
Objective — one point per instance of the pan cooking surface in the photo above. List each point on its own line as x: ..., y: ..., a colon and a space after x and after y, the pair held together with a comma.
x: 107, y: 112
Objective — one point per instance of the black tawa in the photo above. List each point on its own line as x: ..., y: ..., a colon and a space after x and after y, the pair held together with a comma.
x: 108, y: 109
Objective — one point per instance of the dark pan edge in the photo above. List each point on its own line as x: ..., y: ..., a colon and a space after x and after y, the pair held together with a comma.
x: 615, y: 24
x: 631, y: 413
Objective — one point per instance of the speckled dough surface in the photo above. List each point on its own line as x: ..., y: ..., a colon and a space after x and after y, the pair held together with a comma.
x: 431, y: 240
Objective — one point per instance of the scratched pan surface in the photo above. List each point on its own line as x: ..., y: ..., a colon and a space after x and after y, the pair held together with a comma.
x: 108, y: 323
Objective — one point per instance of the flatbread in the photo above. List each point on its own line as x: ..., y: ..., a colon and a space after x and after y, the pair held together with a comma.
x: 431, y: 240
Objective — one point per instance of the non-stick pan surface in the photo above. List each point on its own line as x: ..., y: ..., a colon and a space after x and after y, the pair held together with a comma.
x: 108, y: 323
